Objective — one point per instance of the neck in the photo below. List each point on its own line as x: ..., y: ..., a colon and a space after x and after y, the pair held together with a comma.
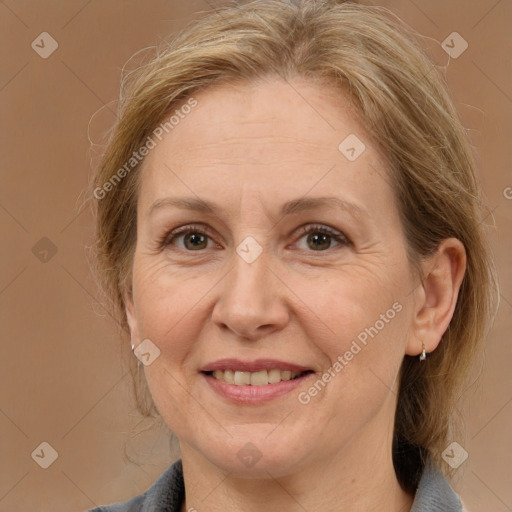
x: 345, y: 482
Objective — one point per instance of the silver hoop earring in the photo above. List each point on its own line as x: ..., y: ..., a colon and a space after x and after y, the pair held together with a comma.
x: 423, y: 354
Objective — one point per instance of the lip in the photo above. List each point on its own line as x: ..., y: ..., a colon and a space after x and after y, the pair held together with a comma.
x: 254, y: 394
x: 253, y: 366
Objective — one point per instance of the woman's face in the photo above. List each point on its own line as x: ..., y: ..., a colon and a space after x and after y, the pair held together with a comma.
x: 227, y: 277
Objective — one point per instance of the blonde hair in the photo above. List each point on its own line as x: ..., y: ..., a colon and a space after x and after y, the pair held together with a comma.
x: 375, y: 60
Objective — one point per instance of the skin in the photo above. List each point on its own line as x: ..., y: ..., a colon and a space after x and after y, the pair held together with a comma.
x: 249, y: 149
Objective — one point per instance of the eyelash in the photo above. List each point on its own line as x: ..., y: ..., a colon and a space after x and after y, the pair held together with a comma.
x: 303, y: 230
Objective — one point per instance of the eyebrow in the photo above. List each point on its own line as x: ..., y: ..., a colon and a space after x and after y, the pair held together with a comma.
x: 294, y: 206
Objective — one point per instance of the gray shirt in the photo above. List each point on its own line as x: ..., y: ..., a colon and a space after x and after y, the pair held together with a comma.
x: 434, y: 494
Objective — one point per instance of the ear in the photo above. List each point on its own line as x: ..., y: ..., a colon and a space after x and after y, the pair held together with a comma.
x: 437, y: 296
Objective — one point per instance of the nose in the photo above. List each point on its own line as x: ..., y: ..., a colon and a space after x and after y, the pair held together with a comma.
x: 252, y: 302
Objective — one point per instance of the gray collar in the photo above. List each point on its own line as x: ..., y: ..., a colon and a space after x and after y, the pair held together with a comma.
x: 434, y: 493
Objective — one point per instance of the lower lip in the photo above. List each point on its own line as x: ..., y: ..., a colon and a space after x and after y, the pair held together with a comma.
x: 254, y: 394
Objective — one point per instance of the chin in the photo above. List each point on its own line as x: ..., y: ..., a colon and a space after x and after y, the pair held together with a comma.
x: 255, y: 453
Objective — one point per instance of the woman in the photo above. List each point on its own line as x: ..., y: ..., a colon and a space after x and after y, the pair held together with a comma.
x: 289, y: 227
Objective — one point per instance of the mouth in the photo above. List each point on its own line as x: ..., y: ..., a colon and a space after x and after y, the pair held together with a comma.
x: 254, y: 381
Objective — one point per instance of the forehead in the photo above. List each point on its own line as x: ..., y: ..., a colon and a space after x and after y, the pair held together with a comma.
x: 270, y: 110
x: 270, y: 135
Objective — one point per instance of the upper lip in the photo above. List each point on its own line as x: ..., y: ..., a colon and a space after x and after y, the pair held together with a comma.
x: 252, y: 366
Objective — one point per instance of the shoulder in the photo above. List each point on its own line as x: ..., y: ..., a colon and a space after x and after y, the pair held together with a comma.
x: 133, y: 505
x: 434, y: 493
x: 165, y: 495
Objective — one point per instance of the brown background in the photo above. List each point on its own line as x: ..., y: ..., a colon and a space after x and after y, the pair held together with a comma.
x: 63, y: 380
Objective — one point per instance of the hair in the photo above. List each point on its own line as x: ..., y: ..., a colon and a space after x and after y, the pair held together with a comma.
x: 375, y: 60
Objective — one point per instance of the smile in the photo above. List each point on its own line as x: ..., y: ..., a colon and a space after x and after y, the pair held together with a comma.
x: 254, y: 382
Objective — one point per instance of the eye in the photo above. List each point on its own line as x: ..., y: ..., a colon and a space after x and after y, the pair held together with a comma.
x: 189, y: 238
x: 319, y: 238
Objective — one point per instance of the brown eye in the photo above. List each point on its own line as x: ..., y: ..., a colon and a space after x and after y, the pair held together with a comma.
x: 195, y: 240
x: 319, y: 241
x: 320, y: 238
x: 188, y: 238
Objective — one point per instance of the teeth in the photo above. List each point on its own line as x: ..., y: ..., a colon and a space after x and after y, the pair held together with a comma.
x: 242, y: 378
x: 274, y: 376
x: 260, y: 378
x: 286, y: 375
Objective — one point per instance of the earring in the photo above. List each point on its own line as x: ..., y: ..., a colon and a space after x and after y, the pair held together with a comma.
x: 423, y: 354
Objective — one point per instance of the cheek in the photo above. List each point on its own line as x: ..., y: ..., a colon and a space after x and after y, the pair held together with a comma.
x: 169, y: 312
x: 350, y: 307
x: 360, y: 325
x: 168, y: 308
x: 361, y: 330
